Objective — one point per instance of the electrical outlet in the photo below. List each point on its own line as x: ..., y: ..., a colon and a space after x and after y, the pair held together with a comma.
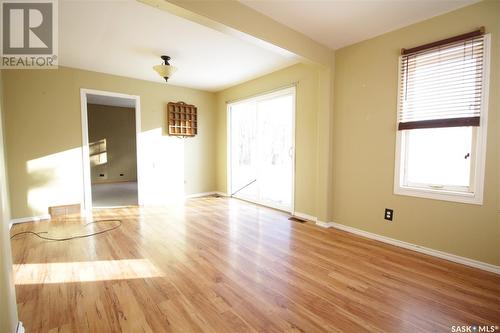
x: 389, y: 214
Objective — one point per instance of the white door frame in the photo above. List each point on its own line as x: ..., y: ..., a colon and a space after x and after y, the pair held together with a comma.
x: 87, y: 185
x: 260, y: 96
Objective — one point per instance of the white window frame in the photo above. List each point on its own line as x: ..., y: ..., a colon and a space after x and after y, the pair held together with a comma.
x: 474, y: 195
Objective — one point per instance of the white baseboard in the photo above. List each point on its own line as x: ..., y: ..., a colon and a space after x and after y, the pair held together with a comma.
x: 323, y: 224
x: 435, y: 253
x: 30, y: 219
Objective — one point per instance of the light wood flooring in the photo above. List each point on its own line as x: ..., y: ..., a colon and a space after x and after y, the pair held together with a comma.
x: 223, y: 265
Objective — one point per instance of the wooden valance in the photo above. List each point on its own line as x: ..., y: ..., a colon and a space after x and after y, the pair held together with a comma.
x: 445, y: 41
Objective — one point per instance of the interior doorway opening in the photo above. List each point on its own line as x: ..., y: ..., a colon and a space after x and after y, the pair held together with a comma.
x: 110, y: 127
x: 261, y: 146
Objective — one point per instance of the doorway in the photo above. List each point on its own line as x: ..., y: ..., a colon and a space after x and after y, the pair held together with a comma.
x: 261, y: 146
x: 110, y: 127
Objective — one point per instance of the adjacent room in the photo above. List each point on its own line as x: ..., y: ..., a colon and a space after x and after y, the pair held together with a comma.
x: 250, y: 166
x: 111, y: 137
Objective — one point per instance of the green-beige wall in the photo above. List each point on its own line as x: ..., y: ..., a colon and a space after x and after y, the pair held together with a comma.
x: 42, y: 117
x: 364, y: 136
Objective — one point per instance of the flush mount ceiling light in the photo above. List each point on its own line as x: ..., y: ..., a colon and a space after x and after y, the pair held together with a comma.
x: 165, y: 70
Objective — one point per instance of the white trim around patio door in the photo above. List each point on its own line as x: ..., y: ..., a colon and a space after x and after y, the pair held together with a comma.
x: 266, y: 95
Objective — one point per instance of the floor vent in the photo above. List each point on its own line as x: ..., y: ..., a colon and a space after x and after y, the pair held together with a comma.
x: 297, y: 219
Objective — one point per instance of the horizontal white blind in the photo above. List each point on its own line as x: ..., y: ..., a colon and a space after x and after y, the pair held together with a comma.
x: 442, y: 86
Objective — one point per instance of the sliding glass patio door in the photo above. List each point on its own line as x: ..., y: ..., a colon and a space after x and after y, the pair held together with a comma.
x: 261, y: 149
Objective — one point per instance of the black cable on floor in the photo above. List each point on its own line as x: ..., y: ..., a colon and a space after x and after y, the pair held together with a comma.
x: 39, y: 234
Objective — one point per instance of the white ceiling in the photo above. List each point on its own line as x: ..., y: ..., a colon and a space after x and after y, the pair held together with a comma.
x: 127, y: 38
x: 338, y: 23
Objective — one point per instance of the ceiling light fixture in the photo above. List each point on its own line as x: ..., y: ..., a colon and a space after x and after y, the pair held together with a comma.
x: 165, y: 70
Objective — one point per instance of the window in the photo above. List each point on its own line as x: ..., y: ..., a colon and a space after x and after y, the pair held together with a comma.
x: 442, y: 116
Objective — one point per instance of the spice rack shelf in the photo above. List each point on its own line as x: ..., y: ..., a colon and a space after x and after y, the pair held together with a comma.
x: 182, y: 119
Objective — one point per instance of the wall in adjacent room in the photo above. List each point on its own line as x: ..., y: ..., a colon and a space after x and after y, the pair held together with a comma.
x: 115, y: 125
x: 44, y: 138
x: 364, y: 138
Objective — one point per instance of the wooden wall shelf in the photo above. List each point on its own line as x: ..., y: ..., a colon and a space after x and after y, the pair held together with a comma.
x: 182, y: 119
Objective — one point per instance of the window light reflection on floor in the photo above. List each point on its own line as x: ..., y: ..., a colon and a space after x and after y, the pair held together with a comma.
x: 86, y: 271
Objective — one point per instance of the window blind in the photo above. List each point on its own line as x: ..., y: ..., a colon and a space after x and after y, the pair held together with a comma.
x: 441, y: 85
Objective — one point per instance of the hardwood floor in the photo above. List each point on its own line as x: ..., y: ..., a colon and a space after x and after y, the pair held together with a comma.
x: 222, y: 265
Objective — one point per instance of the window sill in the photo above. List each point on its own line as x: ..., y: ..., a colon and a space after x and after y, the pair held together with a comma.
x: 462, y: 197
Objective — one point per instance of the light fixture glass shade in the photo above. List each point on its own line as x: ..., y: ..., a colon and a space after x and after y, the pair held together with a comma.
x: 164, y: 70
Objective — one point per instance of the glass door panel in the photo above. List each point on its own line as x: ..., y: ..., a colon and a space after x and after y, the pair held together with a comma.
x: 262, y: 149
x: 243, y: 152
x: 275, y: 150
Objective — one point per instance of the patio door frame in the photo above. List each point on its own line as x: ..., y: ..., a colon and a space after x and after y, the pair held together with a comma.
x: 282, y: 91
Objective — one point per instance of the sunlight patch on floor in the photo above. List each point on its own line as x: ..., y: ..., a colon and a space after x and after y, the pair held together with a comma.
x: 86, y: 271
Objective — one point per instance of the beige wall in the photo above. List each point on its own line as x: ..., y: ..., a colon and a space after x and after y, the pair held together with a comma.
x: 8, y: 309
x: 43, y: 138
x: 117, y: 126
x: 307, y: 80
x: 364, y: 144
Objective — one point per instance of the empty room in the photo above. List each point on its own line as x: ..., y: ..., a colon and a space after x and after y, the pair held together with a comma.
x: 250, y: 166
